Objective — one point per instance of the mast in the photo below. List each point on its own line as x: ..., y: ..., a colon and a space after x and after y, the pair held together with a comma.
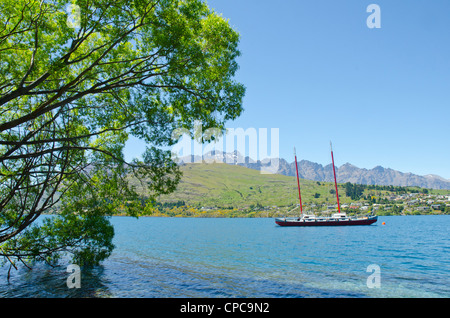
x: 298, y: 184
x: 335, y: 183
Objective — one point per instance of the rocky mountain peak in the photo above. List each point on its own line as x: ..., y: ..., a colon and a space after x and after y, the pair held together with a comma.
x: 317, y: 172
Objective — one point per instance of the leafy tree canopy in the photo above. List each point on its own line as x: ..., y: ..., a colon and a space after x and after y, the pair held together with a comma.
x: 77, y: 79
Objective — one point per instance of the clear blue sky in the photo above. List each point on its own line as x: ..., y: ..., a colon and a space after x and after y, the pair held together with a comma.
x: 315, y: 70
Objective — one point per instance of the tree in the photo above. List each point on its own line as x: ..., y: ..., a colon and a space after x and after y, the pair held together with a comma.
x: 74, y: 86
x: 354, y: 191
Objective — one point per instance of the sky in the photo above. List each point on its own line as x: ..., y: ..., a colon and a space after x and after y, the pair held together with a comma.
x: 317, y: 72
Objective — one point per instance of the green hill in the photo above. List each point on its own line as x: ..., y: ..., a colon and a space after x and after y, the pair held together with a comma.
x: 219, y: 189
x: 223, y: 185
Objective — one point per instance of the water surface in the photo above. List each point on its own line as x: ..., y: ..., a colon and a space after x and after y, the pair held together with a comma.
x: 220, y: 257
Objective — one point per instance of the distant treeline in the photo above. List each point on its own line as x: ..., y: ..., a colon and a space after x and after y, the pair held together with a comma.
x: 169, y: 205
x: 355, y: 191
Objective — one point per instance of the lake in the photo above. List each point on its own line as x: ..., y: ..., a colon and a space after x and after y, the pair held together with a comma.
x: 245, y: 257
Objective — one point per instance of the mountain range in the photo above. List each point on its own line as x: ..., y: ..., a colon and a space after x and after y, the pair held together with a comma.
x: 317, y: 172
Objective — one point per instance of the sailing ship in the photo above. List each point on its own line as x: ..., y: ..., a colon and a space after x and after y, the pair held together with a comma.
x: 339, y: 218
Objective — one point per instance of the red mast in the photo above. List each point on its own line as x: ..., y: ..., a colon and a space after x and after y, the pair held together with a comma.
x: 335, y: 183
x: 298, y: 183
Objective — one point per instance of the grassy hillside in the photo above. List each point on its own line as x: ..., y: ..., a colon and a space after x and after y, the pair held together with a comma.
x: 223, y: 185
x: 218, y: 189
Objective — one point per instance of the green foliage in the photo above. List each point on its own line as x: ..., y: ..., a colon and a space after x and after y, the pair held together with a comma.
x: 87, y: 237
x: 354, y: 191
x: 71, y: 95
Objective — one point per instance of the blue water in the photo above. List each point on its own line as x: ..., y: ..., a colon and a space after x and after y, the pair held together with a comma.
x: 219, y: 257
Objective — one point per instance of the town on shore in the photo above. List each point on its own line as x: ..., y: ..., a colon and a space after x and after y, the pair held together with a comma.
x: 417, y: 203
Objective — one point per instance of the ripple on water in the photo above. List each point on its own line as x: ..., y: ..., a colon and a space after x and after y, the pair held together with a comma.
x: 174, y: 257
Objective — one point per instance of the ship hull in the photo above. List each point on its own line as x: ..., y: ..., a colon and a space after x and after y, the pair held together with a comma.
x: 346, y: 222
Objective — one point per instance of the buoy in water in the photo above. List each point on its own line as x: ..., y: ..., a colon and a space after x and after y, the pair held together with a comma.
x: 383, y: 223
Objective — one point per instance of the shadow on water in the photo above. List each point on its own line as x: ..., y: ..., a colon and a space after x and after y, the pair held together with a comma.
x: 47, y: 282
x: 44, y: 281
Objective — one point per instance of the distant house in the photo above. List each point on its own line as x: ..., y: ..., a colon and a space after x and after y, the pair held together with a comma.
x: 412, y: 202
x: 356, y: 205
